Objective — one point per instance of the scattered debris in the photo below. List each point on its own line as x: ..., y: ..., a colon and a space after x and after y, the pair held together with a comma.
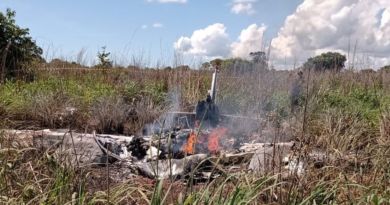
x: 175, y: 154
x: 268, y: 157
x: 171, y: 168
x: 152, y: 153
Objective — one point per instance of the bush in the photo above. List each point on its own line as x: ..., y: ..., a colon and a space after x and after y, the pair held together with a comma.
x: 366, y: 103
x: 109, y: 114
x: 327, y: 61
x: 51, y: 110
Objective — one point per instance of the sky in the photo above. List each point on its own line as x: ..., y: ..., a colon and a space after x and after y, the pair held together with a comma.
x: 171, y: 32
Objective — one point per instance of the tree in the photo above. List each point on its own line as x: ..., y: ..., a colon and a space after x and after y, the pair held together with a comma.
x: 104, y: 60
x: 205, y: 66
x: 258, y: 57
x: 231, y: 65
x: 327, y: 61
x: 385, y: 68
x: 216, y: 63
x: 17, y: 49
x: 237, y: 66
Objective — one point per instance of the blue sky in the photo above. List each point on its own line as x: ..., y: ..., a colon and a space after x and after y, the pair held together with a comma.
x: 152, y: 30
x: 63, y: 28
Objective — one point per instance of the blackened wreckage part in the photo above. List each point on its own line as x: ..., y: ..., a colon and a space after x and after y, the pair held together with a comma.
x: 111, y: 151
x: 207, y: 111
x: 138, y: 147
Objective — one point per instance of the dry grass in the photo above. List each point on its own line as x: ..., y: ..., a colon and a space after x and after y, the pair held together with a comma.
x: 346, y: 117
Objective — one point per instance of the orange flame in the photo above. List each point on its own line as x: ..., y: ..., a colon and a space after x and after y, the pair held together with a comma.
x: 189, y: 147
x: 213, y: 144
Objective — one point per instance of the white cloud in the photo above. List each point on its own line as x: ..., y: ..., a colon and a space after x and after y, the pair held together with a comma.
x: 243, y: 7
x: 250, y: 40
x: 214, y: 42
x: 210, y: 42
x: 318, y: 26
x: 169, y: 1
x: 157, y: 25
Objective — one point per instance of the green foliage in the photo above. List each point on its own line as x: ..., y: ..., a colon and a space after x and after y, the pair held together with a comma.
x: 239, y: 65
x: 44, y: 101
x: 230, y: 63
x: 156, y: 90
x: 366, y: 104
x: 17, y: 49
x: 131, y: 90
x: 326, y: 61
x: 18, y: 97
x: 278, y: 103
x: 104, y: 59
x: 157, y: 194
x: 343, y: 113
x: 376, y: 199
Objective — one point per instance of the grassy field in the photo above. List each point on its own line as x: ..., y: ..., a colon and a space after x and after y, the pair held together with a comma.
x: 343, y: 114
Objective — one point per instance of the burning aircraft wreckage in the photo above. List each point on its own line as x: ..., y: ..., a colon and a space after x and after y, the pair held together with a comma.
x: 201, y: 145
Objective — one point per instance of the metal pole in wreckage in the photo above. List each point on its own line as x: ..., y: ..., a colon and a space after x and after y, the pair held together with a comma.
x: 213, y: 91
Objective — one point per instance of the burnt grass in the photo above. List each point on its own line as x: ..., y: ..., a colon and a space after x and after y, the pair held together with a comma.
x: 345, y: 115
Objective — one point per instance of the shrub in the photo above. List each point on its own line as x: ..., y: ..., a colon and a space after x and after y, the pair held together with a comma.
x: 130, y: 91
x: 50, y: 109
x: 366, y: 103
x: 109, y: 114
x: 327, y: 61
x: 157, y: 91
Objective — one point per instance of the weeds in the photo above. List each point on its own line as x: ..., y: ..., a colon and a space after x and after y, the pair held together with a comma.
x: 347, y: 118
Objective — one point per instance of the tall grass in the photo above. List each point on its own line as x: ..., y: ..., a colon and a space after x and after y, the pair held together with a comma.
x: 347, y: 119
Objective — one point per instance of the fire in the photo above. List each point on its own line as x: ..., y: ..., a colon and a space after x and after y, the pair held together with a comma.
x: 213, y: 142
x: 189, y: 147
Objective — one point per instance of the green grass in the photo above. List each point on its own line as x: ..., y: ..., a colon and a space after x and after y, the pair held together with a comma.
x: 347, y: 114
